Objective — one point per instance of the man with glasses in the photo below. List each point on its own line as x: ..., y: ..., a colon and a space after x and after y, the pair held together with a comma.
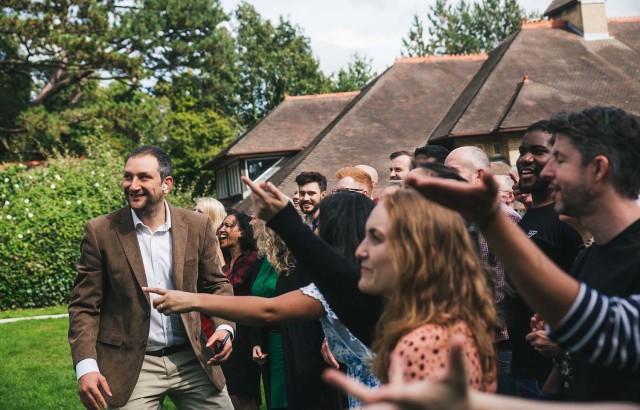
x: 352, y: 179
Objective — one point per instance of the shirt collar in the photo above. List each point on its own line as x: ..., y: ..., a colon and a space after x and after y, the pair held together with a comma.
x: 164, y: 227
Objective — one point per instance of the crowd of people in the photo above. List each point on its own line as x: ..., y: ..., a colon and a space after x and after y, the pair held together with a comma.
x: 453, y: 288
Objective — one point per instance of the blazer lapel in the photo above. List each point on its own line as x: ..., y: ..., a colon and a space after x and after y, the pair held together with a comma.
x: 179, y: 233
x: 128, y: 239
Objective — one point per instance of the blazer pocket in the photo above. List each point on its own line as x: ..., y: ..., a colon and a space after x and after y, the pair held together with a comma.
x: 110, y: 337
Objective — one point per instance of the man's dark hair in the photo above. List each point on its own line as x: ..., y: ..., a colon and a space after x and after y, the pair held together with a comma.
x: 342, y: 221
x: 247, y: 240
x: 305, y: 178
x: 165, y: 167
x: 437, y: 152
x: 610, y: 132
x: 542, y: 126
x: 397, y: 154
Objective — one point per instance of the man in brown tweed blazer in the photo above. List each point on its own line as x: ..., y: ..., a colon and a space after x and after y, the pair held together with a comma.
x: 124, y: 351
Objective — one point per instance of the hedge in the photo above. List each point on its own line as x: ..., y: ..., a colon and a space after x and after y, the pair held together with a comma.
x: 42, y: 214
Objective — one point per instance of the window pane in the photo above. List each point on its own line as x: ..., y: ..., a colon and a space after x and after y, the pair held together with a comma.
x: 257, y: 167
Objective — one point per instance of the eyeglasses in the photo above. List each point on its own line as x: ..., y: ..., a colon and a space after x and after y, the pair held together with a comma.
x: 335, y: 191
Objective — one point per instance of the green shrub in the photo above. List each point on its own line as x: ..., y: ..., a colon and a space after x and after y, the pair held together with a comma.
x: 42, y: 215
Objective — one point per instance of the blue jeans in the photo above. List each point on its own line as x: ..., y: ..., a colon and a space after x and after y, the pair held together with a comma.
x: 525, y: 387
x: 504, y: 371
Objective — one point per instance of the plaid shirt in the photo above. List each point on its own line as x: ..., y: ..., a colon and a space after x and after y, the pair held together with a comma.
x: 239, y: 274
x: 497, y: 273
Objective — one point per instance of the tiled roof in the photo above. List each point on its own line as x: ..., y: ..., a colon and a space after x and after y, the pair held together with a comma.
x: 289, y: 127
x: 394, y: 112
x: 557, y: 61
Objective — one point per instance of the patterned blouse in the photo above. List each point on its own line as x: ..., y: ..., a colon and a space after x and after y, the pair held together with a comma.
x: 345, y: 347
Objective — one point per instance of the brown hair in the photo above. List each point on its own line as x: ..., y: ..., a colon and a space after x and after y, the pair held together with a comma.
x: 440, y: 279
x: 359, y: 176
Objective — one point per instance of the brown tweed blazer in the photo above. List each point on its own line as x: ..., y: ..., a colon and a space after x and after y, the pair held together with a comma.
x: 109, y: 314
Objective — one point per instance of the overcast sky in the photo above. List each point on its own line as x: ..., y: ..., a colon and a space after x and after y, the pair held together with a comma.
x: 373, y: 28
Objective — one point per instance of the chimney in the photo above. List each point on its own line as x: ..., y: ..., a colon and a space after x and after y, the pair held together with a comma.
x: 586, y: 17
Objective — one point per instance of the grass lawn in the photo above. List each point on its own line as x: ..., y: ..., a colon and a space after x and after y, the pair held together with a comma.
x: 53, y: 310
x: 36, y: 370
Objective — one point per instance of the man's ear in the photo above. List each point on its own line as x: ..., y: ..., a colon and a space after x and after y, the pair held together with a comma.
x: 168, y: 181
x: 601, y: 167
x: 480, y: 173
x: 323, y: 194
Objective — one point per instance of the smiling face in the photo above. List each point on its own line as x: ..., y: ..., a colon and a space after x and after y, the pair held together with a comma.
x: 570, y: 187
x: 310, y: 197
x: 143, y: 187
x: 376, y: 268
x: 535, y: 152
x: 229, y: 233
x: 400, y: 167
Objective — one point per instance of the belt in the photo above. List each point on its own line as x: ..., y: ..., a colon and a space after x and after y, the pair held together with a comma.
x: 168, y: 350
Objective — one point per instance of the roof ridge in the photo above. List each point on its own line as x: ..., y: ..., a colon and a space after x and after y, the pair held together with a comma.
x: 512, y: 100
x: 630, y: 19
x: 326, y: 95
x: 283, y: 173
x: 483, y: 72
x: 539, y: 24
x: 433, y: 59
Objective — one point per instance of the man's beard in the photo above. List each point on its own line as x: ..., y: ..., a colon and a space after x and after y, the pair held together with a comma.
x: 539, y: 186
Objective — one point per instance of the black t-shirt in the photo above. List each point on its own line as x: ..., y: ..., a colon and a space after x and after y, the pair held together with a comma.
x: 561, y: 244
x: 612, y: 269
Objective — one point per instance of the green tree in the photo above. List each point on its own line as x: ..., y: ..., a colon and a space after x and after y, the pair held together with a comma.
x: 357, y: 74
x: 414, y: 45
x: 195, y: 132
x: 468, y: 27
x: 59, y: 47
x: 272, y: 61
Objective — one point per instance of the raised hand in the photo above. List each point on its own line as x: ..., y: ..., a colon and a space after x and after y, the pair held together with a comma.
x: 476, y: 202
x: 267, y: 199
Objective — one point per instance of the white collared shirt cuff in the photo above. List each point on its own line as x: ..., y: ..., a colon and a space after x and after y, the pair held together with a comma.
x: 227, y: 328
x: 86, y: 366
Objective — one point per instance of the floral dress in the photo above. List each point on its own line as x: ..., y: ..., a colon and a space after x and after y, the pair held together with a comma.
x: 345, y: 347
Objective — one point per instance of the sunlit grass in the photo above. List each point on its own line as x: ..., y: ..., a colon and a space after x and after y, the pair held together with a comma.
x: 36, y: 371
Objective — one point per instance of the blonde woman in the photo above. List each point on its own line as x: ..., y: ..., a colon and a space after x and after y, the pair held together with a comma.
x: 420, y: 256
x: 215, y: 211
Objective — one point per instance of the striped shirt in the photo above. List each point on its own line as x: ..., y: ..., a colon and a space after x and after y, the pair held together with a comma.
x: 606, y: 330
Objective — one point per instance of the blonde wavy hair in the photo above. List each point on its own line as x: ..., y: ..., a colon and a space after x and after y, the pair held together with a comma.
x: 214, y: 210
x: 272, y: 247
x: 440, y: 279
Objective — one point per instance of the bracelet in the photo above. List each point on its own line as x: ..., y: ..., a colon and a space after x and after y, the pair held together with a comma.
x: 489, y: 219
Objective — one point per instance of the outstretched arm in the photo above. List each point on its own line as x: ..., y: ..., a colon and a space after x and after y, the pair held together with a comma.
x: 335, y: 276
x: 545, y: 287
x: 248, y: 310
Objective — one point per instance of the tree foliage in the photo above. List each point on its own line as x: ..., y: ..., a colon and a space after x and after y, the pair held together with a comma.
x: 468, y: 27
x: 53, y: 50
x: 356, y: 75
x: 273, y: 60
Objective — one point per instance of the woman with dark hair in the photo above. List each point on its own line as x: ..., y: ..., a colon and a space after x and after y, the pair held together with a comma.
x: 240, y: 253
x: 289, y: 353
x: 308, y: 302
